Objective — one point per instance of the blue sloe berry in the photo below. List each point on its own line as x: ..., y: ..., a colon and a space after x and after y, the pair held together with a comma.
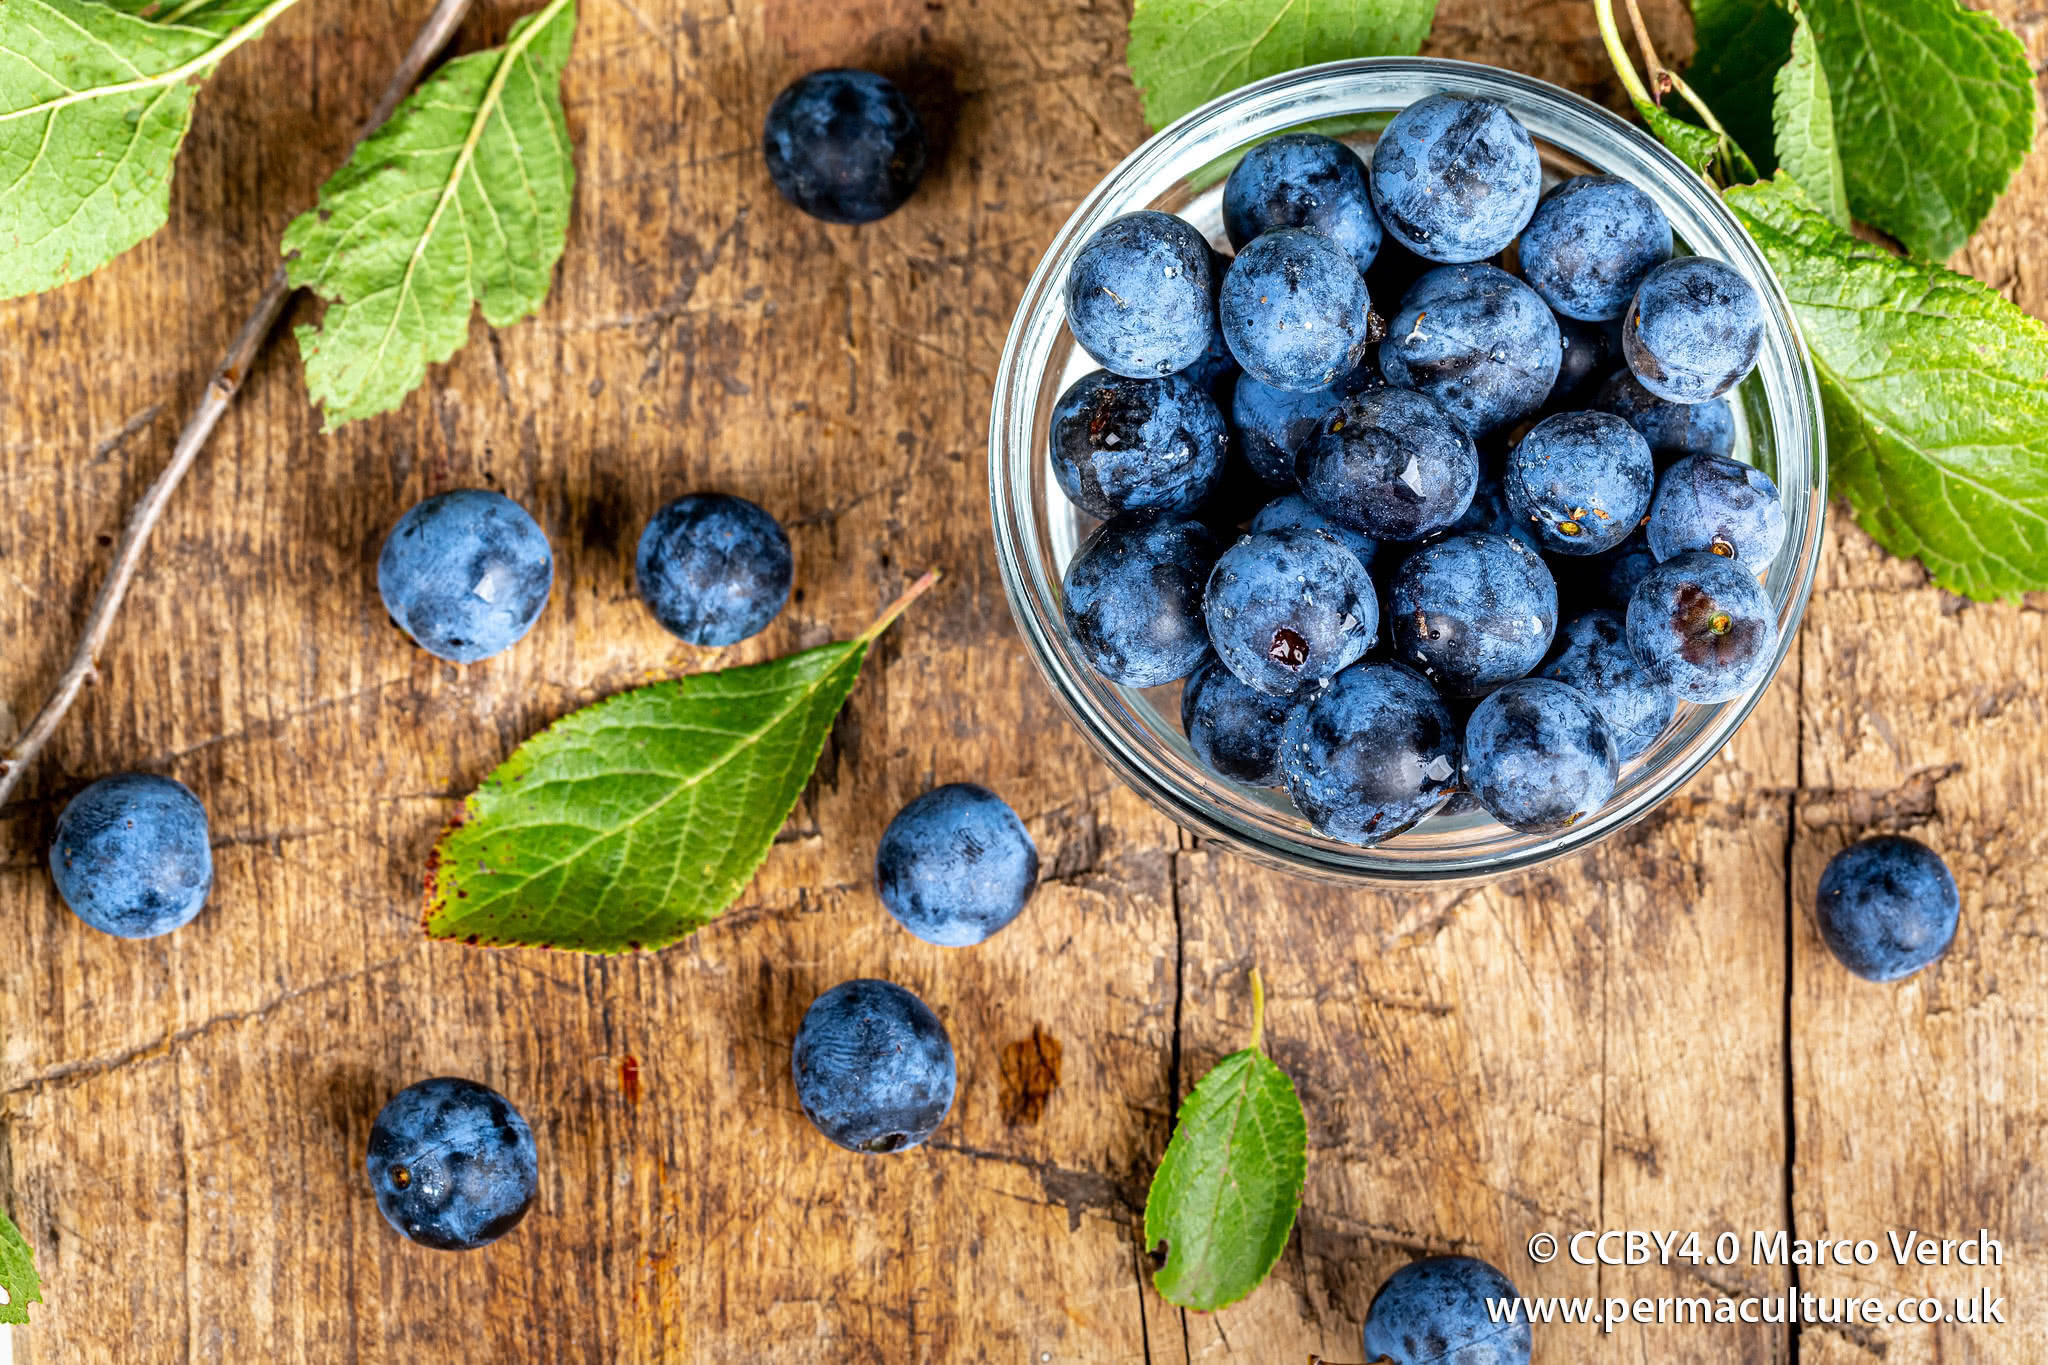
x: 132, y: 857
x: 1539, y: 756
x: 1371, y: 754
x: 956, y: 865
x: 844, y: 145
x: 1702, y: 626
x: 1133, y: 597
x: 452, y: 1164
x: 1478, y: 341
x: 1473, y: 611
x: 465, y: 574
x: 1140, y: 298
x: 1887, y: 907
x: 1393, y: 464
x: 1581, y: 480
x: 1590, y: 245
x: 1455, y: 177
x: 1295, y: 310
x: 1707, y: 502
x: 1693, y: 331
x: 714, y: 569
x: 1120, y: 444
x: 874, y: 1068
x: 1288, y: 609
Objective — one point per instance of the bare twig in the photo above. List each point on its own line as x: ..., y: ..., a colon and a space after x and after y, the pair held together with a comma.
x: 212, y: 406
x: 1659, y: 77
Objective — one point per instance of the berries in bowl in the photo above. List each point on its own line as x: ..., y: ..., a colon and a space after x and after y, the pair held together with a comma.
x: 1438, y: 475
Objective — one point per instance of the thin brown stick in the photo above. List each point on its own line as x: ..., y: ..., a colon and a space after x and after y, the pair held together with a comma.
x: 1659, y: 78
x: 212, y: 406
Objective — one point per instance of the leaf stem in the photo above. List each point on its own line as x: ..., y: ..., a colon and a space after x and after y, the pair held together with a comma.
x: 213, y: 404
x: 926, y: 582
x: 1653, y: 69
x: 1258, y: 1043
x: 1624, y: 66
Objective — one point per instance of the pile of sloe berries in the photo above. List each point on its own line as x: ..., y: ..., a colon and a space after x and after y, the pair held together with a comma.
x: 1429, y: 489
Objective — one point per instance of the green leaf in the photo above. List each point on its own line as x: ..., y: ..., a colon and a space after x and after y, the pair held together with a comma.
x: 1224, y: 1197
x: 1934, y: 108
x: 461, y: 199
x: 1936, y: 391
x: 1805, y: 122
x: 1184, y: 53
x: 1740, y: 46
x: 1695, y: 146
x: 635, y: 821
x: 95, y: 100
x: 17, y: 1270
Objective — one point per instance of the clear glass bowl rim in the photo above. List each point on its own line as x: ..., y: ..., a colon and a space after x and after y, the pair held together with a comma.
x: 1217, y: 130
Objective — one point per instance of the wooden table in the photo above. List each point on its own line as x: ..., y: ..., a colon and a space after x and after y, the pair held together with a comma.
x: 1648, y: 1037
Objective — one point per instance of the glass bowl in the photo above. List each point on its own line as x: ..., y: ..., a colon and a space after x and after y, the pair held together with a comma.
x: 1180, y: 170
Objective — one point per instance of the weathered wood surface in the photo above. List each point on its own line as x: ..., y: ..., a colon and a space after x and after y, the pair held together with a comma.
x: 1651, y: 1036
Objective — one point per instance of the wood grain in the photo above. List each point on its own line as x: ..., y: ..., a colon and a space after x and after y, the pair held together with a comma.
x: 1650, y: 1036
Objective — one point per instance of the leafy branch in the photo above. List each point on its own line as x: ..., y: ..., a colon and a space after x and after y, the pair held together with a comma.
x: 1935, y: 403
x: 508, y: 102
x: 213, y: 404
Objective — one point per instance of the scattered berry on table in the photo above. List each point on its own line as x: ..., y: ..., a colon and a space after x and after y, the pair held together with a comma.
x: 1708, y: 502
x: 1887, y: 907
x: 1539, y: 755
x: 1455, y: 178
x: 1133, y: 597
x: 1294, y: 510
x: 1233, y: 729
x: 1592, y: 654
x: 452, y: 1164
x: 1704, y: 627
x: 465, y: 574
x: 844, y: 145
x: 1392, y: 464
x: 874, y: 1068
x: 1434, y: 1312
x: 1371, y: 754
x: 1303, y: 180
x: 1672, y: 429
x: 1590, y: 245
x: 1287, y: 609
x: 1140, y: 298
x: 1581, y: 480
x: 132, y: 857
x: 1275, y: 425
x: 1120, y: 444
x: 1295, y: 310
x: 714, y: 569
x: 1478, y: 341
x: 1693, y: 331
x: 1473, y: 611
x: 956, y: 865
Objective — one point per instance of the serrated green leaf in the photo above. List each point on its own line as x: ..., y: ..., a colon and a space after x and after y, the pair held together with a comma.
x: 634, y: 821
x: 462, y: 199
x: 1936, y: 396
x: 95, y: 101
x: 1695, y: 146
x: 1804, y: 119
x: 1224, y: 1197
x: 1184, y: 53
x: 1740, y: 45
x: 1934, y: 110
x: 17, y: 1269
